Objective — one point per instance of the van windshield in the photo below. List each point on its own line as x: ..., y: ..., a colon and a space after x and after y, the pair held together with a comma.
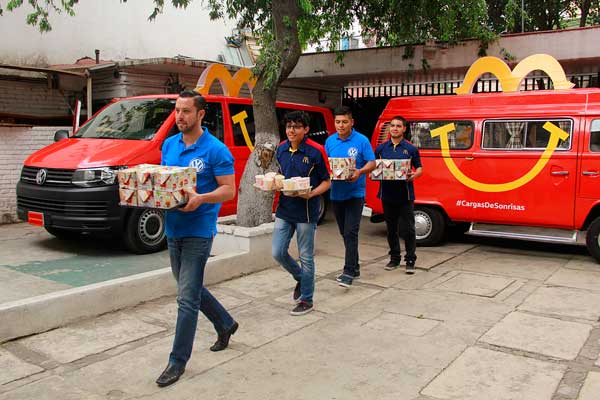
x: 137, y: 119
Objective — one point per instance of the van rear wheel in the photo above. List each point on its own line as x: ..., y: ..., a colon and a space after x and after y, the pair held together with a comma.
x: 145, y: 231
x: 592, y: 239
x: 430, y: 226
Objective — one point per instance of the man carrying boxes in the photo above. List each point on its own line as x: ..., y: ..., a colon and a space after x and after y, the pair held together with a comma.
x: 190, y: 229
x: 398, y: 194
x: 348, y: 186
x: 303, y: 159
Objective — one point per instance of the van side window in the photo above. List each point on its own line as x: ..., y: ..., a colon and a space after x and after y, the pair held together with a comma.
x: 523, y: 134
x: 213, y: 120
x: 242, y: 120
x: 419, y: 133
x: 595, y: 136
x: 318, y: 127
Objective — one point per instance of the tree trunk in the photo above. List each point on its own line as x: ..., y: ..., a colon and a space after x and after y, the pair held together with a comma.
x: 585, y: 10
x: 255, y: 207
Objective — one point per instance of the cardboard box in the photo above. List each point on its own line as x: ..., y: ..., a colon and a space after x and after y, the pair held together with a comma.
x: 377, y: 173
x: 169, y: 198
x: 401, y: 169
x: 127, y: 178
x: 342, y: 168
x: 388, y: 170
x: 128, y: 197
x: 144, y: 176
x: 146, y: 198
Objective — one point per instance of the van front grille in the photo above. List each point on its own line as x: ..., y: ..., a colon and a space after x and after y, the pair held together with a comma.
x: 97, y: 209
x: 54, y: 177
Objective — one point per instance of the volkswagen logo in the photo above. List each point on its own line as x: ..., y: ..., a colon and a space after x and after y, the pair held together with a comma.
x: 40, y: 177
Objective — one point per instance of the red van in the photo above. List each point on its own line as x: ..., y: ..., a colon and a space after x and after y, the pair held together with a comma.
x: 69, y: 186
x: 522, y: 165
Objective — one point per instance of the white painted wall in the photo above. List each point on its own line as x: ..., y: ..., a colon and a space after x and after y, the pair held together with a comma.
x: 119, y: 30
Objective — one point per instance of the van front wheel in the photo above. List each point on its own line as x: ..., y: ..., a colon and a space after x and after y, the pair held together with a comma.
x: 145, y: 231
x: 430, y: 226
x: 592, y: 239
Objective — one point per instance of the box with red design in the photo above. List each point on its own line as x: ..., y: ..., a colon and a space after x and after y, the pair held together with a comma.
x: 342, y: 168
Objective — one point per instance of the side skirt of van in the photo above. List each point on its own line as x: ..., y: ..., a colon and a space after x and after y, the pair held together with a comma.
x: 536, y: 234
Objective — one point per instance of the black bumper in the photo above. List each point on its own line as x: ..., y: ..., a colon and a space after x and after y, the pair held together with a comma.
x: 72, y: 208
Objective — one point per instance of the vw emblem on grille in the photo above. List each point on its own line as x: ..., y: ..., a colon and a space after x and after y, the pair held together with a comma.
x: 40, y: 177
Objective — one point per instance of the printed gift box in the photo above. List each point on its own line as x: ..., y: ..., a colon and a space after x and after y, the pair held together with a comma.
x: 377, y: 173
x: 127, y: 178
x: 144, y: 176
x: 128, y: 197
x: 169, y: 198
x: 401, y: 169
x: 173, y: 178
x: 146, y: 198
x: 388, y: 170
x: 342, y: 168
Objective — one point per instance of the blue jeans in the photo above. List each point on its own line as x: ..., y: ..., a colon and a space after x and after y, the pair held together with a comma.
x: 348, y: 214
x: 188, y: 259
x: 305, y: 236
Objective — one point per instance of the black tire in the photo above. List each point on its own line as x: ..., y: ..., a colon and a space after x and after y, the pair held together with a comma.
x: 430, y: 226
x: 323, y: 206
x: 62, y: 234
x: 592, y: 239
x: 145, y: 231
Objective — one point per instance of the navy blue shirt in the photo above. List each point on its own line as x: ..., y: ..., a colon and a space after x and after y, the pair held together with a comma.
x: 398, y: 191
x: 355, y: 146
x: 211, y: 158
x: 308, y: 160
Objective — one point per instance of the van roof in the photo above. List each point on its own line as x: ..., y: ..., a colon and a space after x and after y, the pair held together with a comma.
x: 497, y: 105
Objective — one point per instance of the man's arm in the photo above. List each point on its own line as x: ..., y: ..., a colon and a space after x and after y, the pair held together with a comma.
x: 368, y: 167
x: 412, y: 175
x: 225, y: 191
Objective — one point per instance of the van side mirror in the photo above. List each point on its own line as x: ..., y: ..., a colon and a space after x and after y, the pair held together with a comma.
x: 60, y: 135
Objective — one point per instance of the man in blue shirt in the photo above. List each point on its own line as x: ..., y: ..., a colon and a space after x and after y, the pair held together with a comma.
x: 397, y: 197
x: 299, y: 156
x: 348, y: 197
x: 190, y: 230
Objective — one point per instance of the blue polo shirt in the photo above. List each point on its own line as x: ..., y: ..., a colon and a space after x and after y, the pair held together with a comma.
x: 211, y: 158
x: 356, y: 146
x: 309, y: 160
x: 398, y: 191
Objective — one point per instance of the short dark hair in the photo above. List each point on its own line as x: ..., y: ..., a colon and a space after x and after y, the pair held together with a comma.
x: 399, y: 118
x: 297, y: 117
x: 343, y: 110
x: 199, y: 100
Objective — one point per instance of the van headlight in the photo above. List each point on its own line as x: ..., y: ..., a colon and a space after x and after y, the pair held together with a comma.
x: 94, y: 177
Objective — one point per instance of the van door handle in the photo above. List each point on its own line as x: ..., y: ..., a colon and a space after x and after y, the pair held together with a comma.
x: 560, y: 173
x: 590, y: 173
x: 469, y: 158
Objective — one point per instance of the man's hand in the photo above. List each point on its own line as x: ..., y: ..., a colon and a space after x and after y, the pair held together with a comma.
x: 355, y: 176
x: 195, y: 200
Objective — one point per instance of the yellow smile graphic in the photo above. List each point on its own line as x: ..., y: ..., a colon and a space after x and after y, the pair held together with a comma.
x: 556, y: 134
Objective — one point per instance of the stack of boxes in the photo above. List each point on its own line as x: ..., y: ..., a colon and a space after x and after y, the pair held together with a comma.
x: 390, y: 170
x: 342, y: 168
x: 155, y: 186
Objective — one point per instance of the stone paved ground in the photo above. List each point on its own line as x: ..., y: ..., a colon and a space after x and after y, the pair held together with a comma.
x: 477, y: 321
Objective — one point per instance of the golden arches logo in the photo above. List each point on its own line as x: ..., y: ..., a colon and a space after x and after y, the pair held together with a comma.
x: 556, y: 134
x: 231, y: 85
x: 511, y: 80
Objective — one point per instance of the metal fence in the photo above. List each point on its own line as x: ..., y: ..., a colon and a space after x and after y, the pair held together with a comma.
x: 448, y: 87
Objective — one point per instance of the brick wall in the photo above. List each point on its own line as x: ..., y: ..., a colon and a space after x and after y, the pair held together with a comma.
x: 16, y: 144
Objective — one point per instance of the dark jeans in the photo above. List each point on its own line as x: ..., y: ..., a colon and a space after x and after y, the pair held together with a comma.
x: 188, y: 259
x: 348, y: 214
x: 400, y: 217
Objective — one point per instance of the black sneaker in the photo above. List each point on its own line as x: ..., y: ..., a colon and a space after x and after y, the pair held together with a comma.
x: 302, y: 308
x: 355, y: 276
x: 410, y: 268
x: 392, y: 265
x: 345, y: 280
x: 296, y: 295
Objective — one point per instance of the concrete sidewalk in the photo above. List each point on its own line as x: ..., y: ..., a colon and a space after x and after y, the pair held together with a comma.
x: 475, y: 322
